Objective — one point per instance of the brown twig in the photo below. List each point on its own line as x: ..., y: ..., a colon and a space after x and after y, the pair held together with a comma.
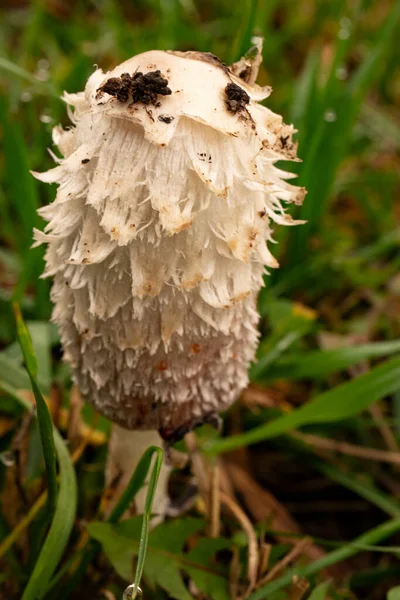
x: 215, y: 502
x: 384, y: 429
x: 245, y: 523
x: 286, y: 560
x: 198, y: 465
x: 265, y: 552
x: 74, y: 427
x: 263, y: 506
x: 234, y: 574
x: 349, y: 449
x: 298, y: 589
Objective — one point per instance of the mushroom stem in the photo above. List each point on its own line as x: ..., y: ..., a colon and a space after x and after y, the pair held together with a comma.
x: 126, y: 448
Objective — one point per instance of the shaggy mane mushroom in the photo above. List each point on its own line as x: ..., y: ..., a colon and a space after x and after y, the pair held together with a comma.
x: 158, y: 238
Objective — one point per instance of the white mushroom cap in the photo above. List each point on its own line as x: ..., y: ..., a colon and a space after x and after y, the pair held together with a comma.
x: 157, y: 237
x: 197, y: 83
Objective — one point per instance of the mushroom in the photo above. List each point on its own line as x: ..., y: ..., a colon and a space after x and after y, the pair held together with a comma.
x: 157, y: 238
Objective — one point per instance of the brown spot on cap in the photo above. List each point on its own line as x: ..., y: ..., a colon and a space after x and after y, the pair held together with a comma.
x: 161, y: 366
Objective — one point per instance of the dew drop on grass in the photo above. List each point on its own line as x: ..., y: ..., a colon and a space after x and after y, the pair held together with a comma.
x: 44, y: 118
x: 42, y: 74
x: 345, y: 28
x: 345, y: 23
x: 26, y: 96
x: 7, y: 458
x: 129, y: 592
x: 43, y: 63
x: 341, y: 73
x: 330, y: 116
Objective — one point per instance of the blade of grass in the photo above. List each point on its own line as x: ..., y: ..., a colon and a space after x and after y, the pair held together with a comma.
x: 327, y: 543
x: 60, y: 530
x: 329, y: 138
x: 257, y: 370
x: 340, y: 403
x: 20, y: 184
x: 12, y: 374
x: 43, y: 415
x: 242, y: 42
x: 15, y: 375
x: 63, y: 520
x: 372, y: 63
x: 305, y: 90
x: 41, y: 87
x: 134, y: 589
x: 382, y: 122
x: 41, y: 342
x: 135, y: 484
x: 394, y: 593
x: 371, y: 537
x: 321, y: 363
x: 320, y: 592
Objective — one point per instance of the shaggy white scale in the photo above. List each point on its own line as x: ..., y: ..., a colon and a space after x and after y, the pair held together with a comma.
x: 157, y: 237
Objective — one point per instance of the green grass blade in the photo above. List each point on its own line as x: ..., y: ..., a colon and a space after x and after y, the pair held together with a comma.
x: 320, y: 592
x: 394, y: 593
x: 328, y: 140
x: 25, y: 341
x: 136, y: 482
x: 269, y: 358
x: 20, y: 185
x: 60, y: 530
x: 133, y: 590
x: 43, y: 415
x: 377, y: 534
x: 340, y: 403
x: 13, y: 393
x: 374, y: 59
x: 321, y: 363
x: 248, y: 14
x: 40, y: 86
x: 12, y: 373
x: 64, y: 515
x: 381, y: 121
x: 41, y: 340
x: 305, y: 92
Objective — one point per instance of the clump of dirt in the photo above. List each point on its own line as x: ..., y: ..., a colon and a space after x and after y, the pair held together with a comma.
x: 119, y: 87
x: 139, y: 87
x: 165, y: 119
x: 236, y: 98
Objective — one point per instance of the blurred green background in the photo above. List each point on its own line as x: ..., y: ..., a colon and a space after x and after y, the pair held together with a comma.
x: 334, y: 305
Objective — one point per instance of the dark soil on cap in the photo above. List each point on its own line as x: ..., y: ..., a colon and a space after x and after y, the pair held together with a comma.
x: 139, y: 87
x: 236, y: 98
